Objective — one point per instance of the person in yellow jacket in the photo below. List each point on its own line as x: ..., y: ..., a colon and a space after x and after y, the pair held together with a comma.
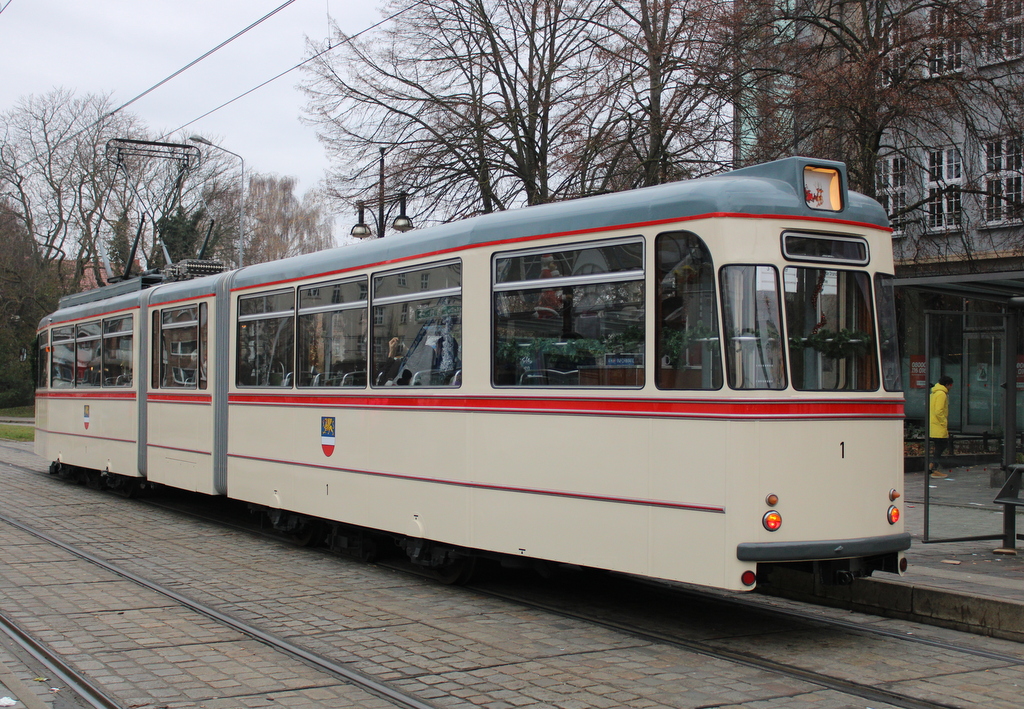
x: 938, y: 424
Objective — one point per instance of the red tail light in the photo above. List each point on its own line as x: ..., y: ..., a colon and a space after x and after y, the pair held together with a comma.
x: 772, y: 521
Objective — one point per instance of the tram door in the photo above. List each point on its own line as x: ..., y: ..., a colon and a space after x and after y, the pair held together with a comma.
x: 982, y: 400
x: 180, y: 401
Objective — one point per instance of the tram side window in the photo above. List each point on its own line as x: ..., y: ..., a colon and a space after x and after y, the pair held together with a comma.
x: 179, y: 347
x: 62, y: 358
x: 88, y: 363
x: 42, y: 359
x: 417, y: 327
x: 332, y: 334
x: 571, y: 317
x: 117, y: 351
x: 754, y: 356
x: 885, y: 300
x: 689, y: 351
x: 831, y: 330
x: 266, y: 340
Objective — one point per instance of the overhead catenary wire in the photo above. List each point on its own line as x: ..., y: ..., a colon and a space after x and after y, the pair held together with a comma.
x: 5, y: 6
x: 319, y: 54
x: 160, y: 83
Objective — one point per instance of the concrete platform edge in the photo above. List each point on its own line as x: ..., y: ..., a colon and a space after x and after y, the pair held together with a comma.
x: 901, y: 598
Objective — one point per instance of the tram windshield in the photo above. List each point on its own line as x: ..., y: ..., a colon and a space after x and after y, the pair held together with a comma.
x: 831, y: 329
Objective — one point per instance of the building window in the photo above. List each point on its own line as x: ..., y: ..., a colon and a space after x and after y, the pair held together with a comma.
x: 1003, y: 183
x: 947, y: 53
x: 1006, y: 18
x: 945, y: 179
x: 891, y: 190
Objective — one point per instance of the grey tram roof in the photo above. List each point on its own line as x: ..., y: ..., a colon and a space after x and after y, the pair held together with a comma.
x: 770, y: 189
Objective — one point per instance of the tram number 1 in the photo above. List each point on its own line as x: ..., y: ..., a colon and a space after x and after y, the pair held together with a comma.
x: 842, y: 449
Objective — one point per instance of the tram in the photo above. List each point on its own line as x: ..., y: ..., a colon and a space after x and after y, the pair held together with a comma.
x: 696, y: 381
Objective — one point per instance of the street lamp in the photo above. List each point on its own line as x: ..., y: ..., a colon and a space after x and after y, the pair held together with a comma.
x: 402, y: 222
x: 241, y: 199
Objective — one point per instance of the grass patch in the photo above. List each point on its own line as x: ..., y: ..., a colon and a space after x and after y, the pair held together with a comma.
x: 17, y: 433
x: 19, y: 411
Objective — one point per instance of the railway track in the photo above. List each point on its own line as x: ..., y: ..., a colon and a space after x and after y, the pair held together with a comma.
x: 585, y: 601
x: 98, y: 699
x: 85, y: 692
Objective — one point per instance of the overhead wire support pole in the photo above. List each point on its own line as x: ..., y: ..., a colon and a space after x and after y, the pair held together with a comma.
x: 380, y: 196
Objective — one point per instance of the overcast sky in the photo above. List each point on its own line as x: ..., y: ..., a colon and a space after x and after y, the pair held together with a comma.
x: 123, y: 47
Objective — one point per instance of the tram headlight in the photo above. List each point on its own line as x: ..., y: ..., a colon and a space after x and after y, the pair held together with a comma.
x: 772, y: 520
x: 893, y: 514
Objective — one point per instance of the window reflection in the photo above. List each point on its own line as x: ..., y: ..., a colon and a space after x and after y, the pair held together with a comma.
x: 332, y: 335
x: 417, y: 334
x: 753, y: 328
x: 689, y: 352
x: 266, y: 340
x: 62, y: 360
x: 117, y: 351
x: 179, y: 347
x: 570, y: 318
x: 831, y: 330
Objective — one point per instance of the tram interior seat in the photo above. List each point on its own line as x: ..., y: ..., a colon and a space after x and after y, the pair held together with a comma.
x: 550, y: 377
x: 353, y: 379
x: 436, y: 377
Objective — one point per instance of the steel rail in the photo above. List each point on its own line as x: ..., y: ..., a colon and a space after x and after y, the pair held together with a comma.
x: 75, y: 680
x: 812, y: 619
x: 837, y: 684
x: 380, y: 689
x: 747, y: 659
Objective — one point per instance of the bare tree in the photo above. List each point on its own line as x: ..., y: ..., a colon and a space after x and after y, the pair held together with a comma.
x: 910, y: 94
x: 28, y: 290
x: 857, y: 80
x: 665, y: 79
x: 279, y: 224
x: 53, y: 173
x: 475, y: 101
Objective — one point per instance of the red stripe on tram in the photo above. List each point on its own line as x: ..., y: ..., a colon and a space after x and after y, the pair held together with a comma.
x: 689, y: 408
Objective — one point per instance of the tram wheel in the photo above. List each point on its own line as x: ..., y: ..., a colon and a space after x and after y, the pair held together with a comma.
x: 455, y: 573
x: 305, y: 535
x: 123, y: 485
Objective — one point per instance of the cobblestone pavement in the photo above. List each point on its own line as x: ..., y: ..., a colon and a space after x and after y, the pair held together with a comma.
x: 452, y: 646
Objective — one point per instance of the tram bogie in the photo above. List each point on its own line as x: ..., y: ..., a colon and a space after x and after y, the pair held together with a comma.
x: 696, y: 382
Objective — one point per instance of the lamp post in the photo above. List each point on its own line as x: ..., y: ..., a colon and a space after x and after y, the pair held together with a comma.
x: 402, y: 222
x: 241, y: 198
